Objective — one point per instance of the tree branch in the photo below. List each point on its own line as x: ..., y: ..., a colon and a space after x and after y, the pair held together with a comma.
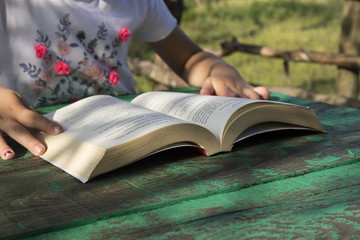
x: 340, y: 60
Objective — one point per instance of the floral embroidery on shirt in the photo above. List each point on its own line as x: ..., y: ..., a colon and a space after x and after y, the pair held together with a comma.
x: 40, y: 50
x: 65, y: 75
x: 114, y: 78
x: 62, y: 68
x: 124, y: 34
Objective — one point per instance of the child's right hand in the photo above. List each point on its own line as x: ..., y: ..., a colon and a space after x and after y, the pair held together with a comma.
x: 18, y: 120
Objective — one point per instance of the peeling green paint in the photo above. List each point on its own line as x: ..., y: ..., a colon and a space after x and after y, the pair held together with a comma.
x: 296, y: 187
x: 262, y: 210
x: 351, y: 154
x: 55, y: 186
x: 27, y: 155
x: 322, y: 161
x: 44, y: 171
x: 259, y: 173
x: 20, y: 225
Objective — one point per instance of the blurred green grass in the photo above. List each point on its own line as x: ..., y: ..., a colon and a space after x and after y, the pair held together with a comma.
x: 287, y: 24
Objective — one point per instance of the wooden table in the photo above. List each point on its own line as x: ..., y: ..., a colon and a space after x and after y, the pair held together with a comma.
x: 290, y: 184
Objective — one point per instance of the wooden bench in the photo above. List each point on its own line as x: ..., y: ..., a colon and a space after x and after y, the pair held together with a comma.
x: 290, y: 184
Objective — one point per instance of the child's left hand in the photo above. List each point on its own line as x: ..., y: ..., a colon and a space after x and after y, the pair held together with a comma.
x: 224, y: 85
x: 203, y: 69
x: 224, y: 80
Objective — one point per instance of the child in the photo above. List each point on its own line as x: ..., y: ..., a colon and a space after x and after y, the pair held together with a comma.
x: 55, y: 51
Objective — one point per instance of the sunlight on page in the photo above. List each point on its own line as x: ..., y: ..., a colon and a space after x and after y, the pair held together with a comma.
x: 107, y: 123
x: 211, y: 112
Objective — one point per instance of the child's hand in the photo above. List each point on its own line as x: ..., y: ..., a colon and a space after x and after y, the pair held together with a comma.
x: 203, y: 69
x: 18, y: 120
x: 219, y: 86
x: 228, y: 82
x: 220, y: 78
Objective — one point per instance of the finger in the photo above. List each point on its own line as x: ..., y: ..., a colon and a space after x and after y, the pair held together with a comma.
x: 5, y: 151
x: 263, y: 92
x: 21, y: 135
x: 35, y: 120
x: 228, y: 92
x: 251, y: 93
x: 212, y: 85
x: 25, y: 103
x: 21, y: 111
x: 207, y: 88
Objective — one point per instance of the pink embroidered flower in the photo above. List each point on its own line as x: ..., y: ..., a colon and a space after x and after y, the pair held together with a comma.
x: 85, y: 62
x: 40, y: 50
x: 124, y: 34
x: 43, y: 82
x: 63, y: 48
x: 114, y: 78
x: 62, y: 68
x: 93, y: 72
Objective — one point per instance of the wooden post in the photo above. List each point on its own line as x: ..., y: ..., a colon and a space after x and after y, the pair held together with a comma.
x: 347, y: 82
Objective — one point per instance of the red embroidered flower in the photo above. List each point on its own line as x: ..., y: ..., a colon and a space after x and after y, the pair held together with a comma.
x: 40, y: 50
x: 124, y: 34
x: 114, y: 78
x: 62, y: 68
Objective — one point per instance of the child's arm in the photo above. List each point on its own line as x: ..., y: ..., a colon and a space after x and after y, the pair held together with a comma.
x: 18, y: 120
x: 203, y: 69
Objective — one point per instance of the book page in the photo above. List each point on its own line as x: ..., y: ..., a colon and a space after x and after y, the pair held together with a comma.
x: 107, y: 121
x: 211, y: 112
x: 267, y: 127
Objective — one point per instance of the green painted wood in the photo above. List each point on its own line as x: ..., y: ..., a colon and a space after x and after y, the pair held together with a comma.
x: 37, y: 197
x: 322, y: 205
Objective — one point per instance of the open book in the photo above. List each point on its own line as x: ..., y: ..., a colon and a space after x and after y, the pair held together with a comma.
x: 103, y: 133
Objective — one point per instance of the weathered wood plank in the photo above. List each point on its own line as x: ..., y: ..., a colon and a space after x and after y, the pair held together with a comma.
x: 36, y: 196
x: 319, y: 205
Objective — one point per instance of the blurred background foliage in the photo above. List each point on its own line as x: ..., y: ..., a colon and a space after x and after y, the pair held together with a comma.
x: 287, y: 24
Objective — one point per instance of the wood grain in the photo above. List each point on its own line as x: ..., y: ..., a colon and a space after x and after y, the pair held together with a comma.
x: 37, y: 198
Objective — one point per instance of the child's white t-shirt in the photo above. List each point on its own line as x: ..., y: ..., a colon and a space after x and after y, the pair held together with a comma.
x: 54, y: 51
